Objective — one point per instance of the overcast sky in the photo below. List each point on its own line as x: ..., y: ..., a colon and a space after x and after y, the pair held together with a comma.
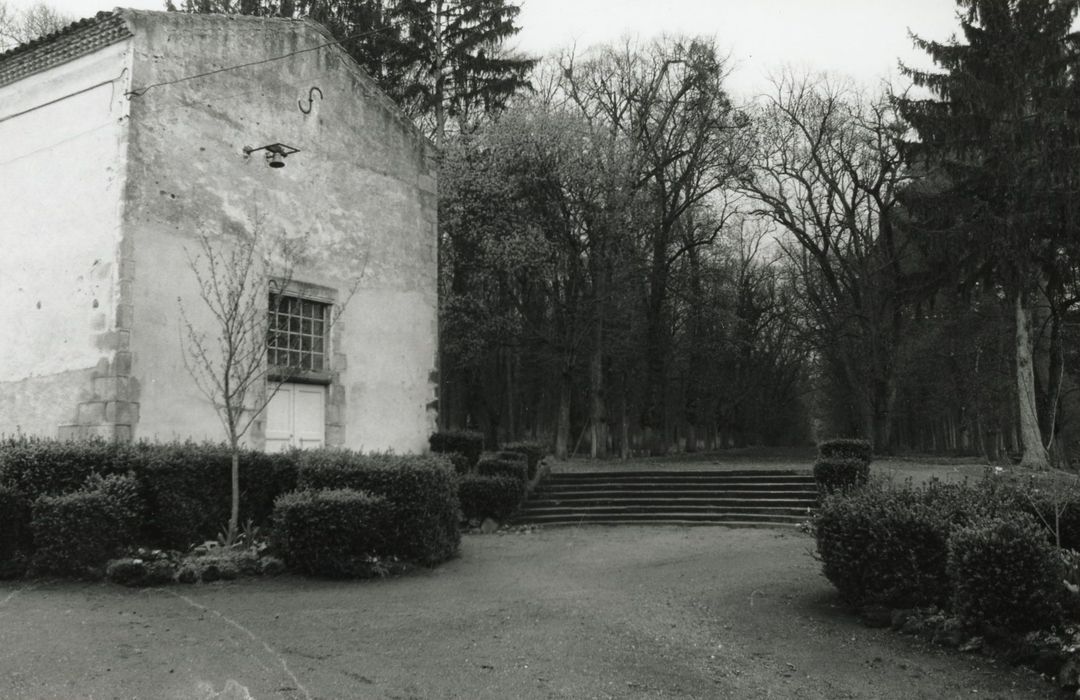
x: 859, y: 38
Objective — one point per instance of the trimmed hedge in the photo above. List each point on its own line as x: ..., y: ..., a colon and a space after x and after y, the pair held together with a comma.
x: 421, y: 494
x: 495, y: 497
x: 514, y: 468
x: 38, y: 467
x: 466, y: 442
x: 77, y: 533
x: 329, y: 532
x: 186, y: 485
x: 534, y: 451
x: 14, y: 531
x: 884, y: 547
x: 1006, y: 575
x: 838, y: 473
x: 461, y: 462
x: 188, y: 489
x: 846, y: 448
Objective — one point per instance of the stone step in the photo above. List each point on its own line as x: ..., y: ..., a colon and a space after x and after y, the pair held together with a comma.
x: 717, y: 501
x: 666, y: 508
x: 616, y: 522
x: 665, y: 518
x: 676, y: 490
x: 744, y: 498
x: 684, y: 476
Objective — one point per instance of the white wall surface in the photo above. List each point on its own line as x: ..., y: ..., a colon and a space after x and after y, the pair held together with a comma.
x: 62, y: 140
x: 61, y: 180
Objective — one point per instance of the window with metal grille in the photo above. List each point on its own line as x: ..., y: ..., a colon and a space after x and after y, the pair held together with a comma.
x: 296, y: 338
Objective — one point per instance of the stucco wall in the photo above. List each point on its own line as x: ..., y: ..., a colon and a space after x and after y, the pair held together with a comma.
x: 361, y: 190
x: 61, y: 179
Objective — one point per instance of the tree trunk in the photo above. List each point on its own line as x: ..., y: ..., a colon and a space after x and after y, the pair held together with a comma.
x: 598, y: 409
x: 624, y: 448
x: 511, y: 403
x: 1034, y: 453
x: 440, y: 78
x: 234, y: 510
x: 1054, y: 420
x: 562, y: 430
x: 884, y: 402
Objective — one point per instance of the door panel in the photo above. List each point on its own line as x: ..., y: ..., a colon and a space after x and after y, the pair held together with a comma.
x: 309, y: 422
x: 296, y: 417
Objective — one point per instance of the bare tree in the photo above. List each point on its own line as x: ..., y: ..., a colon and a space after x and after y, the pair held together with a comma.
x: 667, y: 103
x: 20, y: 26
x: 826, y: 172
x: 242, y: 283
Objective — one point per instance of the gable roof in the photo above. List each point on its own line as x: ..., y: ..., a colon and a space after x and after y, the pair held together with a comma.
x: 73, y: 41
x: 105, y: 28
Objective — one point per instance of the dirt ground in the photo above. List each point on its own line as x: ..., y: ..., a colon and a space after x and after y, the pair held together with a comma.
x: 591, y: 612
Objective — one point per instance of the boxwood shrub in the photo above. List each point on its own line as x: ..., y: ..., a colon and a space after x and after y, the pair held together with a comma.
x: 186, y: 485
x: 884, y: 546
x: 39, y: 466
x: 839, y: 473
x: 188, y: 489
x: 77, y: 533
x: 15, y: 539
x: 495, y: 497
x: 846, y: 448
x: 1006, y: 575
x: 329, y: 532
x: 533, y: 451
x: 514, y: 468
x: 466, y: 442
x: 420, y: 490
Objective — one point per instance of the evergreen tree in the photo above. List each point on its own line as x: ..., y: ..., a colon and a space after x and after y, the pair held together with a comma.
x: 998, y: 137
x: 454, y: 50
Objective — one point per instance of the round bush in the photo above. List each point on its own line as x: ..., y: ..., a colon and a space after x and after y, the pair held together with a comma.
x: 884, y: 547
x: 328, y: 532
x: 76, y: 533
x: 495, y: 497
x: 838, y: 473
x: 1006, y: 575
x: 420, y: 490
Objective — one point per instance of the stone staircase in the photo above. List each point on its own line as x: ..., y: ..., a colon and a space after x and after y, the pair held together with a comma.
x: 734, y: 498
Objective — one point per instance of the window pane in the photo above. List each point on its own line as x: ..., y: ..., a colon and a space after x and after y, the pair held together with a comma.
x: 296, y: 334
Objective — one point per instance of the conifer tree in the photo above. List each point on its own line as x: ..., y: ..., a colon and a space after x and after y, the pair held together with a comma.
x: 455, y: 50
x: 997, y: 138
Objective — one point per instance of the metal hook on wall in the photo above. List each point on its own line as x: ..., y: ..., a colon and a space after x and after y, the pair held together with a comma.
x: 310, y: 100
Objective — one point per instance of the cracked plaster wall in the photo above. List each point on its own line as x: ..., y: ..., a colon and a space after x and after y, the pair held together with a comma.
x: 61, y: 177
x: 361, y: 189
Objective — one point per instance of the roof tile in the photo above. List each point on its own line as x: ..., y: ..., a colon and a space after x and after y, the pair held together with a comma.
x: 75, y: 40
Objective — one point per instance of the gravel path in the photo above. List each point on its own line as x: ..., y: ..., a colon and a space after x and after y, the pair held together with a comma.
x: 629, y: 612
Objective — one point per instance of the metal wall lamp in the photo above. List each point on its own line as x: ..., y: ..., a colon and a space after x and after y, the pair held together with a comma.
x: 276, y: 153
